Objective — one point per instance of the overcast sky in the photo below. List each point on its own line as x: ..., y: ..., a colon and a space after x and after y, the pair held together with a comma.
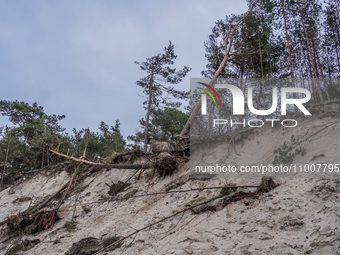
x: 77, y: 57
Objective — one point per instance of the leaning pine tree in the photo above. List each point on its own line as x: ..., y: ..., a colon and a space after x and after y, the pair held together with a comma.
x: 157, y: 84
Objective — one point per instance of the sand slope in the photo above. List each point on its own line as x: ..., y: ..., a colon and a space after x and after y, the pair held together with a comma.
x: 301, y: 216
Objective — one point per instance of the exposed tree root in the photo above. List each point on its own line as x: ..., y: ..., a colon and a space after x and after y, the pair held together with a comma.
x: 32, y: 220
x: 33, y: 223
x: 130, y: 157
x: 164, y: 164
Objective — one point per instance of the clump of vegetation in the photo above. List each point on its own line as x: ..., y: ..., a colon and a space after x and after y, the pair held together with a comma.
x: 195, y: 201
x: 286, y: 153
x: 91, y: 245
x: 25, y: 144
x: 24, y: 245
x: 115, y: 188
x: 165, y: 164
x: 22, y: 199
x: 86, y: 209
x: 129, y: 194
x: 70, y: 226
x: 229, y: 189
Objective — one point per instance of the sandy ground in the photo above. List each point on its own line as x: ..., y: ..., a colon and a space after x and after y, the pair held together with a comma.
x: 301, y: 216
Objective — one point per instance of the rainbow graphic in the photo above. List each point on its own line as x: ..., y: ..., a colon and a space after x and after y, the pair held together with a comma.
x: 208, y: 92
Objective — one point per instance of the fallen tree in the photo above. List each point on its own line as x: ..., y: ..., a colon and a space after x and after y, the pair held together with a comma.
x: 104, y: 165
x: 228, y: 47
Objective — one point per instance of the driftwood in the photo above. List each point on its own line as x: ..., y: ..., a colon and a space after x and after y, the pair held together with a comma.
x: 104, y: 165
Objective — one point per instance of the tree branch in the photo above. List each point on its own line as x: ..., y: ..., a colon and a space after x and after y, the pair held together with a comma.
x: 104, y: 165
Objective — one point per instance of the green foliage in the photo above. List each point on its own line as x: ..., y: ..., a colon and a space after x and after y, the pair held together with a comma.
x: 164, y: 125
x: 137, y: 139
x: 256, y: 51
x: 25, y: 145
x: 13, y: 155
x: 111, y: 138
x: 70, y: 226
x: 167, y: 123
x: 160, y: 76
x: 30, y: 121
x: 103, y: 144
x: 331, y: 38
x: 157, y: 84
x: 286, y: 153
x: 281, y: 39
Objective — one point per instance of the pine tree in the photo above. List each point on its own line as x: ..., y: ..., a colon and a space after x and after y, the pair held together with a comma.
x: 157, y: 84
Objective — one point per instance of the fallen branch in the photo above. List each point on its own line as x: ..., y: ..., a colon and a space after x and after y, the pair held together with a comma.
x: 316, y: 132
x: 156, y: 222
x: 83, y: 188
x: 104, y: 165
x: 188, y: 190
x: 266, y: 185
x: 68, y: 188
x: 37, y: 207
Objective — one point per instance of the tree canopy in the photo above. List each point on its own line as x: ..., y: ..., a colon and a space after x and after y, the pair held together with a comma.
x: 158, y: 84
x: 25, y: 144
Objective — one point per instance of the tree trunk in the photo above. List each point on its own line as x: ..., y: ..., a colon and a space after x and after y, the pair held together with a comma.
x: 338, y: 59
x: 5, y: 164
x: 288, y: 45
x: 311, y: 58
x: 262, y: 75
x: 338, y: 34
x: 309, y: 48
x: 146, y: 130
x: 228, y: 47
x: 320, y: 68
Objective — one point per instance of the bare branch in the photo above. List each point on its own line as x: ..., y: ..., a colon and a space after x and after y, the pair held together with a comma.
x: 104, y: 165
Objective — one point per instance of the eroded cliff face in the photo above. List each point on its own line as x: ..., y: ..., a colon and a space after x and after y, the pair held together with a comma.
x: 300, y: 216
